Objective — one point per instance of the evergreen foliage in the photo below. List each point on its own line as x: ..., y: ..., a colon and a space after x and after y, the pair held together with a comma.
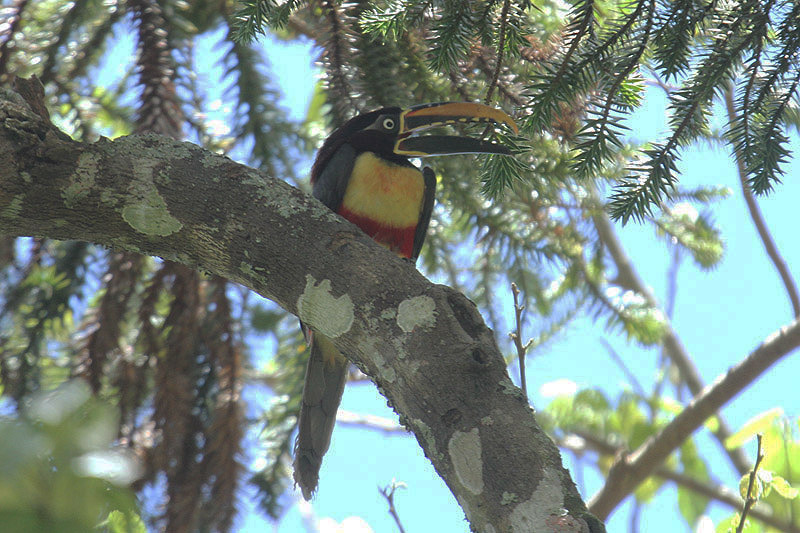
x: 172, y: 349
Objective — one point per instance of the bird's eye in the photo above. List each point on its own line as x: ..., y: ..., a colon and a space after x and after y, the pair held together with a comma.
x: 388, y: 123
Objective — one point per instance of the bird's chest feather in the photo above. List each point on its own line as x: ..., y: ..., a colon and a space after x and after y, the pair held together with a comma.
x: 388, y: 194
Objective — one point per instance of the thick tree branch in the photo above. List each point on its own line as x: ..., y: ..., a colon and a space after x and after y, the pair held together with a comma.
x: 632, y: 469
x: 424, y: 345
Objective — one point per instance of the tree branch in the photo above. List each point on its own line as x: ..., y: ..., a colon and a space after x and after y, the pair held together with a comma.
x: 586, y: 441
x: 752, y: 497
x: 378, y: 423
x: 424, y: 345
x: 758, y: 219
x: 628, y: 277
x: 626, y: 474
x: 388, y: 493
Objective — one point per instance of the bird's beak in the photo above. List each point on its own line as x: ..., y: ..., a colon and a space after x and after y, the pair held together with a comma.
x: 425, y: 116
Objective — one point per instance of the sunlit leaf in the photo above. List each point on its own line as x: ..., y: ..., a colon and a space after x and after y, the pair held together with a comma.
x: 758, y: 424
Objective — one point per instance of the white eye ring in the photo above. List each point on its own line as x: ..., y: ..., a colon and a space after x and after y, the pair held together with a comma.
x: 388, y: 123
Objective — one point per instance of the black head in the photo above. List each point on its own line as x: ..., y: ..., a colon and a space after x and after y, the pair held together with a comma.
x: 388, y: 132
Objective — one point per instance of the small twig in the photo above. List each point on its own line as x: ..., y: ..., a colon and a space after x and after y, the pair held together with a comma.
x: 636, y: 516
x: 482, y: 62
x: 388, y: 493
x: 516, y: 336
x: 656, y: 81
x: 378, y: 423
x: 750, y: 500
x: 629, y: 375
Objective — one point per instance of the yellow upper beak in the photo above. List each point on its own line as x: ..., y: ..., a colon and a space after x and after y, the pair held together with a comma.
x: 439, y: 114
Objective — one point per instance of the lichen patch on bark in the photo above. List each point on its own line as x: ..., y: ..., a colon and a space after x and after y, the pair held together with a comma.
x: 426, y: 433
x: 387, y: 373
x: 82, y: 180
x: 546, y: 500
x: 419, y: 311
x: 465, y: 454
x: 13, y: 208
x: 327, y: 314
x: 145, y: 210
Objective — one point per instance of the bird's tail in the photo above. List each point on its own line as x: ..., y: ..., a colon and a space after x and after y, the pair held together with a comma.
x: 326, y: 374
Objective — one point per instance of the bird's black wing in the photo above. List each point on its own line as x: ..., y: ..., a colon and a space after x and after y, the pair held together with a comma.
x: 425, y: 213
x: 331, y: 183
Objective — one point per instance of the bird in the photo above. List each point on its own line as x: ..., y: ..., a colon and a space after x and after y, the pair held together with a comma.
x: 363, y: 173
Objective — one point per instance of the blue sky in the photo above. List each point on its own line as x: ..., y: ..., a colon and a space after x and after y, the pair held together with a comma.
x: 721, y: 315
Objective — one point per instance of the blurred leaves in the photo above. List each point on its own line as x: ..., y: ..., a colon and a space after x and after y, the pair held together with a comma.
x: 758, y: 424
x: 695, y: 233
x: 60, y: 471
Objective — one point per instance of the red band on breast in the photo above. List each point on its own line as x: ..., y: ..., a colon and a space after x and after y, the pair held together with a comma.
x: 398, y: 240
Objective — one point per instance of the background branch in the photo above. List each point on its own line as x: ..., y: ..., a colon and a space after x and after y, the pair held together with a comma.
x: 585, y: 441
x: 628, y: 277
x: 758, y: 219
x: 630, y: 470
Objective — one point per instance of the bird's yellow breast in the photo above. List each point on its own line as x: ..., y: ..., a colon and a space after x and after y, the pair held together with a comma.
x: 385, y: 192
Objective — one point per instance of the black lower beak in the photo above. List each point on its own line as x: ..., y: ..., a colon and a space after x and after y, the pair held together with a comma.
x: 446, y: 145
x: 439, y: 114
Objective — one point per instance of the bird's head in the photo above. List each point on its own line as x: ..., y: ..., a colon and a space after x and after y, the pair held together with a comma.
x: 390, y: 132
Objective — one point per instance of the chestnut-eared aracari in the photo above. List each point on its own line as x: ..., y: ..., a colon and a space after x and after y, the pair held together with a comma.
x: 363, y: 173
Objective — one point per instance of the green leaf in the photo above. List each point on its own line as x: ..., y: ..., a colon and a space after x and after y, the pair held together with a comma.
x: 120, y: 522
x: 761, y: 484
x: 264, y: 319
x: 730, y: 524
x: 696, y: 233
x: 783, y: 488
x: 692, y: 505
x: 758, y: 424
x: 57, y: 461
x: 648, y: 489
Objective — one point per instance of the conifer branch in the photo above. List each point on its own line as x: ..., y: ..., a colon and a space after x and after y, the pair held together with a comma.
x: 104, y: 323
x: 576, y: 30
x: 501, y: 46
x: 69, y: 23
x: 159, y: 109
x: 337, y: 50
x: 95, y: 44
x: 633, y: 62
x: 223, y: 443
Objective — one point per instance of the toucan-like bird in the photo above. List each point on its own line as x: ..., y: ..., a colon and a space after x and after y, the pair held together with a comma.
x: 363, y: 173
